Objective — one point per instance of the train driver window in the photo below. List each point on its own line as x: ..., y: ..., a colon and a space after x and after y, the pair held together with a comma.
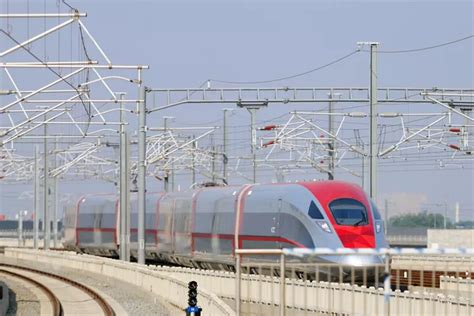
x: 349, y: 212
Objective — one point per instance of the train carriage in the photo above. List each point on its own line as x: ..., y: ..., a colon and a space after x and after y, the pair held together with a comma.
x: 198, y: 227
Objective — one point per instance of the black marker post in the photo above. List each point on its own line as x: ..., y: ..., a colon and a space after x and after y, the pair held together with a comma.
x: 192, y: 309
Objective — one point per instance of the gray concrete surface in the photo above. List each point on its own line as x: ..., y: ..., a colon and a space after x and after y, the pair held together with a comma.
x: 323, y: 297
x: 125, y: 299
x: 450, y: 238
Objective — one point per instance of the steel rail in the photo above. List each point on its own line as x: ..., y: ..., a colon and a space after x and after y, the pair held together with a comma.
x: 107, y: 309
x: 56, y: 304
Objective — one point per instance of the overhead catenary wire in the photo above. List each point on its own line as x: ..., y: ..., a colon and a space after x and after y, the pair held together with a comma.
x: 420, y: 49
x: 68, y: 5
x: 52, y: 70
x: 411, y: 50
x: 206, y: 81
x: 291, y: 76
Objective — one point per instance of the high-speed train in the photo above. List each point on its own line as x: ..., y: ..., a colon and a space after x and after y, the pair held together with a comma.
x: 197, y: 228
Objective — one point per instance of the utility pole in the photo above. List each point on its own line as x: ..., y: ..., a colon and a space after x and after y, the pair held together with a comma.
x: 128, y: 217
x: 124, y: 184
x: 373, y: 119
x: 254, y: 142
x: 193, y: 180
x: 225, y: 142
x: 331, y: 141
x: 36, y: 201
x: 172, y: 177
x: 456, y: 213
x: 20, y: 228
x: 386, y: 217
x: 213, y: 159
x: 445, y: 213
x: 167, y: 172
x: 252, y: 108
x: 141, y: 169
x: 213, y: 164
x: 54, y: 198
x: 364, y: 171
x: 360, y: 144
x: 46, y: 222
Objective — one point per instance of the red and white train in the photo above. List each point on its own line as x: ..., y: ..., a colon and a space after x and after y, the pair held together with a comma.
x: 198, y: 228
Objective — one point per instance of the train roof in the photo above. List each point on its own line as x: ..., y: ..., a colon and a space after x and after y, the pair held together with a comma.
x: 316, y: 187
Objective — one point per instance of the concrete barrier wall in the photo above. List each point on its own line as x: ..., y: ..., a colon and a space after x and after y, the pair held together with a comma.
x: 167, y: 286
x: 171, y: 284
x: 335, y: 298
x: 326, y: 297
x: 27, y: 243
x: 457, y: 286
x: 434, y: 263
x: 450, y: 238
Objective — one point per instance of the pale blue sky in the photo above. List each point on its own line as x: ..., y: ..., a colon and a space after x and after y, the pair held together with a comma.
x: 187, y: 42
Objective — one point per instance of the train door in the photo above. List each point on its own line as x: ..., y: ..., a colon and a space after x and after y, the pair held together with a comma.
x: 165, y: 224
x: 275, y: 230
x: 261, y: 224
x: 171, y: 226
x: 218, y: 243
x: 183, y: 224
x: 97, y: 232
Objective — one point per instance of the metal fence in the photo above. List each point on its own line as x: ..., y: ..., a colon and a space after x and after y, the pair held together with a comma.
x: 354, y: 282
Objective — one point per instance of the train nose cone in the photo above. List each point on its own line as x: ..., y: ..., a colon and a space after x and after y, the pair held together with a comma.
x: 361, y: 260
x: 354, y: 260
x: 356, y: 237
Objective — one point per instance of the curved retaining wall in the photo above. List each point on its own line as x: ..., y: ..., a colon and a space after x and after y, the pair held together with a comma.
x: 159, y: 281
x: 320, y: 297
x: 328, y: 297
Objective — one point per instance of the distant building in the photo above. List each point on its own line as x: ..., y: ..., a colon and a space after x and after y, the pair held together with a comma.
x: 27, y: 225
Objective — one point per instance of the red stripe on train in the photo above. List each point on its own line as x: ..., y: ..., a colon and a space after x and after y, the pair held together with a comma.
x: 203, y: 235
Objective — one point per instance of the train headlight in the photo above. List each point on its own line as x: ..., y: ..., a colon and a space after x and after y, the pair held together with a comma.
x: 378, y: 226
x: 324, y: 226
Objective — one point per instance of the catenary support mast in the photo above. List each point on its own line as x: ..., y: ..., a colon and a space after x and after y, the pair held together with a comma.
x: 141, y: 169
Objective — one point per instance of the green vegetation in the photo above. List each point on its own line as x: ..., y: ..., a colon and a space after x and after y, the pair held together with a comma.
x: 465, y: 224
x: 423, y: 219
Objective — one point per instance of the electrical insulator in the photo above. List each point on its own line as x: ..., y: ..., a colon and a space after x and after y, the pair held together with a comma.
x: 268, y: 128
x: 271, y: 142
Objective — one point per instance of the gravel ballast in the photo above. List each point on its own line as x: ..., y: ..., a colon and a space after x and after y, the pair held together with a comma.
x: 22, y: 301
x: 133, y: 299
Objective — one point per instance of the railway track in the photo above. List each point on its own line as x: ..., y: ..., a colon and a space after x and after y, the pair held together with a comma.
x: 66, y: 296
x: 56, y: 307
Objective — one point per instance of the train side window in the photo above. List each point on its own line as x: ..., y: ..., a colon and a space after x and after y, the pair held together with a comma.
x: 314, y: 211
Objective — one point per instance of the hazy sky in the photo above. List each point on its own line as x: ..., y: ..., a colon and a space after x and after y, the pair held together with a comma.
x: 187, y: 42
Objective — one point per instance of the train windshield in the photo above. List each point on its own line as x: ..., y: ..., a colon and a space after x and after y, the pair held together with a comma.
x: 349, y: 212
